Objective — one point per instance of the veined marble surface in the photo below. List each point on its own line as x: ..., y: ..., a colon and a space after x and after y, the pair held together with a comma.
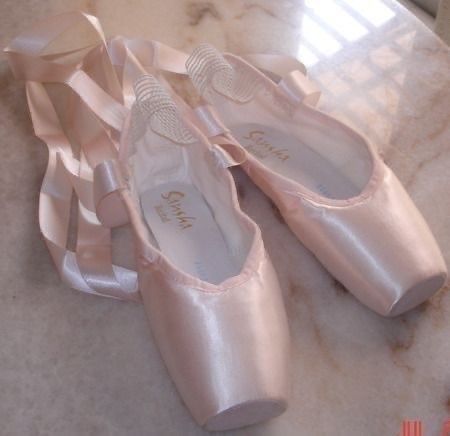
x: 75, y: 365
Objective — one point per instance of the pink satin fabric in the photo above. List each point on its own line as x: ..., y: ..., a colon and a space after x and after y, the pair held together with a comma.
x: 89, y: 268
x: 376, y: 244
x: 109, y: 64
x: 226, y: 346
x: 226, y: 349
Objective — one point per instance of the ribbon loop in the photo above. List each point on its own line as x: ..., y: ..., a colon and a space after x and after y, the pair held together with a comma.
x: 109, y: 206
x: 290, y: 75
x: 102, y: 82
x: 299, y: 88
x: 209, y: 122
x: 274, y: 65
x: 227, y: 152
x: 88, y: 269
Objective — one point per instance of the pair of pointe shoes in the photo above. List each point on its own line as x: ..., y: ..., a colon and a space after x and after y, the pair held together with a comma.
x: 208, y: 286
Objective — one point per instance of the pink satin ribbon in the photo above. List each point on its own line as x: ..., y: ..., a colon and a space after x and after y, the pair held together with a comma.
x: 102, y: 83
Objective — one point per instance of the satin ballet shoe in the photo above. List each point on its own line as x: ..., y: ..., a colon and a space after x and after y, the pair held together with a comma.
x: 210, y: 291
x: 331, y: 187
x: 208, y: 287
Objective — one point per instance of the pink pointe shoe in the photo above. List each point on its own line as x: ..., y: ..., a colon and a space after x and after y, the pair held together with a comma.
x: 331, y: 187
x: 211, y: 293
x: 208, y: 287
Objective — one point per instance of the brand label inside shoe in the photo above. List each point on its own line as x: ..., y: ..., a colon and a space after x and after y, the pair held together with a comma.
x: 171, y: 209
x: 257, y: 144
x: 301, y: 159
x: 186, y: 231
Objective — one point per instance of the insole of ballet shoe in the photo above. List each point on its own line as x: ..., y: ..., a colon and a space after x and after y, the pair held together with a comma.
x: 293, y: 159
x: 186, y: 231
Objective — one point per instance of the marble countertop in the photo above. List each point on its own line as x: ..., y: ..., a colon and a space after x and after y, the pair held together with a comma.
x: 72, y: 364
